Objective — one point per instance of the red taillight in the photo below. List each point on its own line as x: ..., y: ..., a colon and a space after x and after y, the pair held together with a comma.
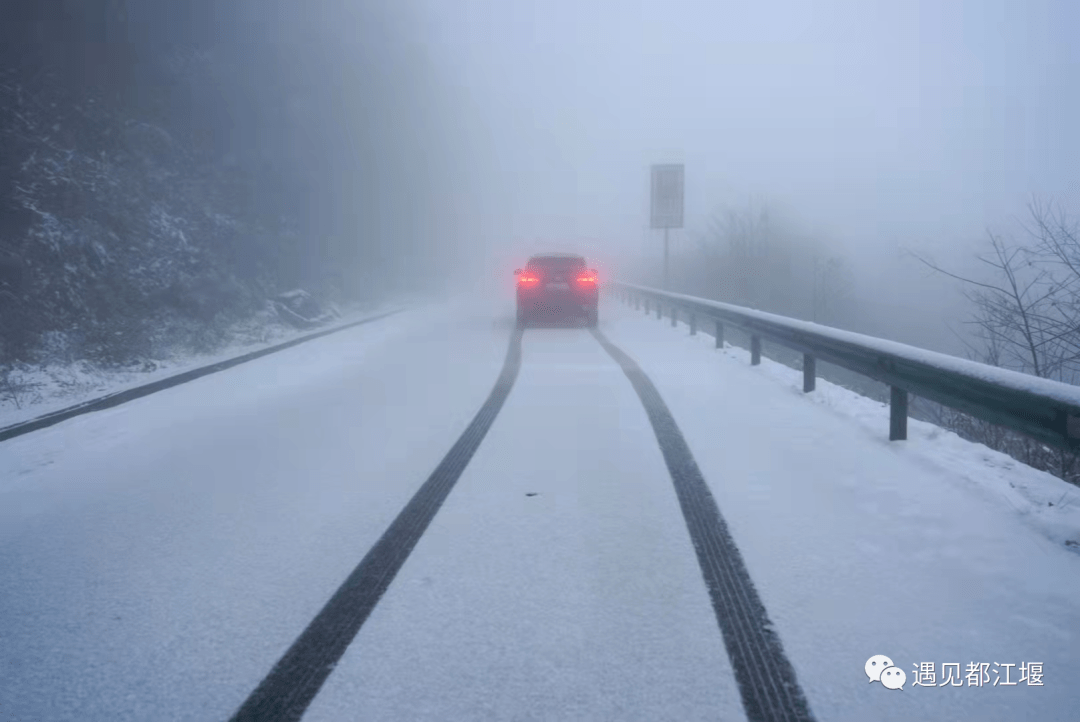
x: 586, y: 278
x: 527, y: 279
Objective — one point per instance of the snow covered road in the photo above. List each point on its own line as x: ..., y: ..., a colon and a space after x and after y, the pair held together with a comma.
x: 157, y: 559
x: 581, y: 602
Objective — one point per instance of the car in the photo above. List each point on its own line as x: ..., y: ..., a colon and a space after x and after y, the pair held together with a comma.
x: 556, y: 285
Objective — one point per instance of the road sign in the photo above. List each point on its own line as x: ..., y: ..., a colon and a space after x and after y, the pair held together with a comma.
x: 667, y: 195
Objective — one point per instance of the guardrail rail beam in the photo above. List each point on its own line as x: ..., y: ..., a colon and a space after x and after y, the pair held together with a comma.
x: 1042, y: 409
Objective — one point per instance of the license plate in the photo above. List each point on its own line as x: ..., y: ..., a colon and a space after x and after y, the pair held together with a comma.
x: 558, y: 286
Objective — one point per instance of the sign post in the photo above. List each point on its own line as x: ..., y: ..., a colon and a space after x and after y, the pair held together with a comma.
x: 667, y: 203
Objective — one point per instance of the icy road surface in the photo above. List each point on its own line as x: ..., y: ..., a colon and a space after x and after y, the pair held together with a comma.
x: 157, y: 559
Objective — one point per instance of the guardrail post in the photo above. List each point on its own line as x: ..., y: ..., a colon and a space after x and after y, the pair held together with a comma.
x: 755, y: 350
x: 693, y: 324
x: 898, y: 414
x: 659, y: 311
x: 809, y: 375
x: 719, y: 335
x: 674, y: 316
x: 646, y: 307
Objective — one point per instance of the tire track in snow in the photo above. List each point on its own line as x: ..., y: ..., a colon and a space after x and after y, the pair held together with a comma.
x: 286, y: 692
x: 767, y: 683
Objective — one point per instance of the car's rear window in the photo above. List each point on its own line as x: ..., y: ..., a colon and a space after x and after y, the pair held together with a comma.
x: 557, y: 263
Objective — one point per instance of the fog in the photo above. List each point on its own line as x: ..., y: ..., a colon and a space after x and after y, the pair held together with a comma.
x: 272, y: 199
x: 879, y: 127
x: 366, y: 149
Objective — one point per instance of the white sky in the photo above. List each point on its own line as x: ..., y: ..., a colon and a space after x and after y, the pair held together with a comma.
x: 879, y: 124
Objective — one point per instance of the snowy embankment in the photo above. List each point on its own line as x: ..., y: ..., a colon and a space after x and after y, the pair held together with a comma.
x: 1044, y: 502
x: 32, y: 391
x: 932, y: 550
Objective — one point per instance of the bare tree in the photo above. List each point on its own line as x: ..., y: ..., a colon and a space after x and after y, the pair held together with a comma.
x: 1026, y: 317
x: 754, y: 259
x: 832, y: 284
x: 1057, y: 247
x: 750, y: 256
x: 1017, y: 311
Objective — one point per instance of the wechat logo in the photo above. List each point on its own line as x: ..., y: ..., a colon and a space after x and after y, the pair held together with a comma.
x: 880, y: 668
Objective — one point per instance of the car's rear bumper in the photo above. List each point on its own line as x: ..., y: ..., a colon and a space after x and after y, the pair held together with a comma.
x: 549, y: 301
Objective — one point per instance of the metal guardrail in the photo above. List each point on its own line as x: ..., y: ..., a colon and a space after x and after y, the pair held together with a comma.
x: 1046, y: 410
